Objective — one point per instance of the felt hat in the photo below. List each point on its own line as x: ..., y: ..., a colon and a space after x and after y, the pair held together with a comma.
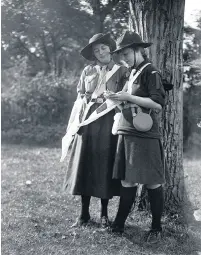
x: 130, y: 40
x: 87, y: 51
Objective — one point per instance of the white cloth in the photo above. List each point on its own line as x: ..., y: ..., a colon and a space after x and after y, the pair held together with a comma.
x: 76, y: 123
x: 103, y: 109
x: 101, y: 86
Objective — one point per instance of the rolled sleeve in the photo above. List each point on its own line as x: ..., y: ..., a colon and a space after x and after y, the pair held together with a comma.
x: 155, y: 88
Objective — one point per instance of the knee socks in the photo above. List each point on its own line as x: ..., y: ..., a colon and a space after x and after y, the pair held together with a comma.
x: 156, y: 199
x: 104, y: 205
x: 127, y: 199
x: 85, y: 200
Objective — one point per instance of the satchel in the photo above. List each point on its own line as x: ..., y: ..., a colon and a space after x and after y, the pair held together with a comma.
x: 141, y: 121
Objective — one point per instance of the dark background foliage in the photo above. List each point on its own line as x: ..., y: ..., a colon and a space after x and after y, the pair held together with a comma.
x: 41, y: 65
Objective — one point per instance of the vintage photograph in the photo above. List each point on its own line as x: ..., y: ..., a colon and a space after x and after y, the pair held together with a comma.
x: 101, y: 127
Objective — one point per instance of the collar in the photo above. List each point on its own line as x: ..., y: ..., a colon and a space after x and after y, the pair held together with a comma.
x: 140, y: 65
x: 108, y: 66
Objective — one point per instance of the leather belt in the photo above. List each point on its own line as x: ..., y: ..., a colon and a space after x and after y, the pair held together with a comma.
x: 98, y: 100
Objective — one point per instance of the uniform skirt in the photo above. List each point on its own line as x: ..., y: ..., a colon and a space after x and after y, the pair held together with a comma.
x: 139, y: 160
x: 91, y: 162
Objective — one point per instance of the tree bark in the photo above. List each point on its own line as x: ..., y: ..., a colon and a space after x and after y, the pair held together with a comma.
x: 161, y: 22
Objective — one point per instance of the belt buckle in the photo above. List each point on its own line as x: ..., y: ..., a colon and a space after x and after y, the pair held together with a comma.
x: 99, y: 100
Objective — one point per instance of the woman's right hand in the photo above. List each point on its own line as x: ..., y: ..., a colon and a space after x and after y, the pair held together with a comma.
x: 120, y: 96
x: 108, y: 93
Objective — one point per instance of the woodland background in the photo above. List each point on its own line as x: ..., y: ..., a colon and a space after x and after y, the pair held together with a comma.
x: 41, y: 65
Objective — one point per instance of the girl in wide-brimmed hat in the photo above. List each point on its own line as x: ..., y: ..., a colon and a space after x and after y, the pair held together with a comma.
x: 89, y: 171
x: 139, y: 156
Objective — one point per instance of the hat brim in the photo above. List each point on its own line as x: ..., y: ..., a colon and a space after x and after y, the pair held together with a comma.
x: 87, y: 51
x: 132, y: 45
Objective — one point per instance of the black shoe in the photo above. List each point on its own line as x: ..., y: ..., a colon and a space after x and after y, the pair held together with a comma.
x: 104, y: 222
x: 116, y: 228
x: 153, y: 236
x: 81, y: 221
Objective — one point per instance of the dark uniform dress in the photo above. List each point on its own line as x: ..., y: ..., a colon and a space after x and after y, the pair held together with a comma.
x: 139, y: 156
x: 92, y: 155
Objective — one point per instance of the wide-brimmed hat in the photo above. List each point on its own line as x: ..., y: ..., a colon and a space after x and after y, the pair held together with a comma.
x: 87, y: 51
x: 130, y: 39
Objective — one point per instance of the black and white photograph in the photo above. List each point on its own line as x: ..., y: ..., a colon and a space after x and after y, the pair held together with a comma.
x: 101, y: 127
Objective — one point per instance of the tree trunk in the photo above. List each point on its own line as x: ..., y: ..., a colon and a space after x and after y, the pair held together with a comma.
x: 101, y: 11
x: 161, y: 22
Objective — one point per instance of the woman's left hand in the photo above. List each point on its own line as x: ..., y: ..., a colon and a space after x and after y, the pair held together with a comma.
x: 120, y: 96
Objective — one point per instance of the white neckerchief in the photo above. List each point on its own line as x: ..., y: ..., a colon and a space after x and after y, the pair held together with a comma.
x: 130, y: 81
x: 101, y: 84
x: 133, y: 77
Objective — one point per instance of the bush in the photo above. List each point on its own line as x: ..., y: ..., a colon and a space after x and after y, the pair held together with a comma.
x: 37, y: 103
x: 192, y: 118
x: 35, y: 135
x: 41, y: 100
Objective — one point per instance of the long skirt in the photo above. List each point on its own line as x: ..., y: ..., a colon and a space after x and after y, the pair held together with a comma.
x: 139, y: 160
x: 90, y: 166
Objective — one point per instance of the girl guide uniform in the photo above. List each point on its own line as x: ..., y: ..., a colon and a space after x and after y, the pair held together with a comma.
x: 139, y: 156
x: 90, y: 166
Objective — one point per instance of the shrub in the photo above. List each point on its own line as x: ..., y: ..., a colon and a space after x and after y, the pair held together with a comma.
x: 41, y: 100
x: 192, y: 118
x: 30, y: 104
x: 35, y: 135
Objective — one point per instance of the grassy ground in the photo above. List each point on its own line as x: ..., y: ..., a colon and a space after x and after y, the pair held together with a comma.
x: 37, y: 215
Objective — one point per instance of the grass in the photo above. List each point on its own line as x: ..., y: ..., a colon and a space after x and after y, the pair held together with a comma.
x: 192, y: 172
x: 36, y: 216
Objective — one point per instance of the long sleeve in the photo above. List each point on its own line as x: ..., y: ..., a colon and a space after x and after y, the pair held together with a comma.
x: 155, y: 88
x: 124, y: 73
x: 81, y: 84
x: 88, y: 81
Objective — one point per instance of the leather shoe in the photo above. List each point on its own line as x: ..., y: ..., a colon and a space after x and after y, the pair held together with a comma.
x: 81, y: 222
x: 116, y: 228
x: 104, y: 222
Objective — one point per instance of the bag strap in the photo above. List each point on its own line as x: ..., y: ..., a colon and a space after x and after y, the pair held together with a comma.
x: 130, y: 83
x: 132, y: 80
x: 133, y: 109
x: 109, y: 105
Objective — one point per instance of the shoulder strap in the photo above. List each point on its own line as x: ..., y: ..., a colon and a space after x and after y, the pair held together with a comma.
x: 112, y: 72
x: 131, y: 81
x: 108, y: 75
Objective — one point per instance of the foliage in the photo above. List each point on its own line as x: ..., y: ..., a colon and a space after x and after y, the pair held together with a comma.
x: 111, y: 15
x: 41, y: 63
x: 26, y: 133
x: 192, y: 44
x: 43, y: 38
x: 192, y: 88
x: 28, y: 104
x: 51, y: 33
x: 47, y: 32
x: 192, y: 118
